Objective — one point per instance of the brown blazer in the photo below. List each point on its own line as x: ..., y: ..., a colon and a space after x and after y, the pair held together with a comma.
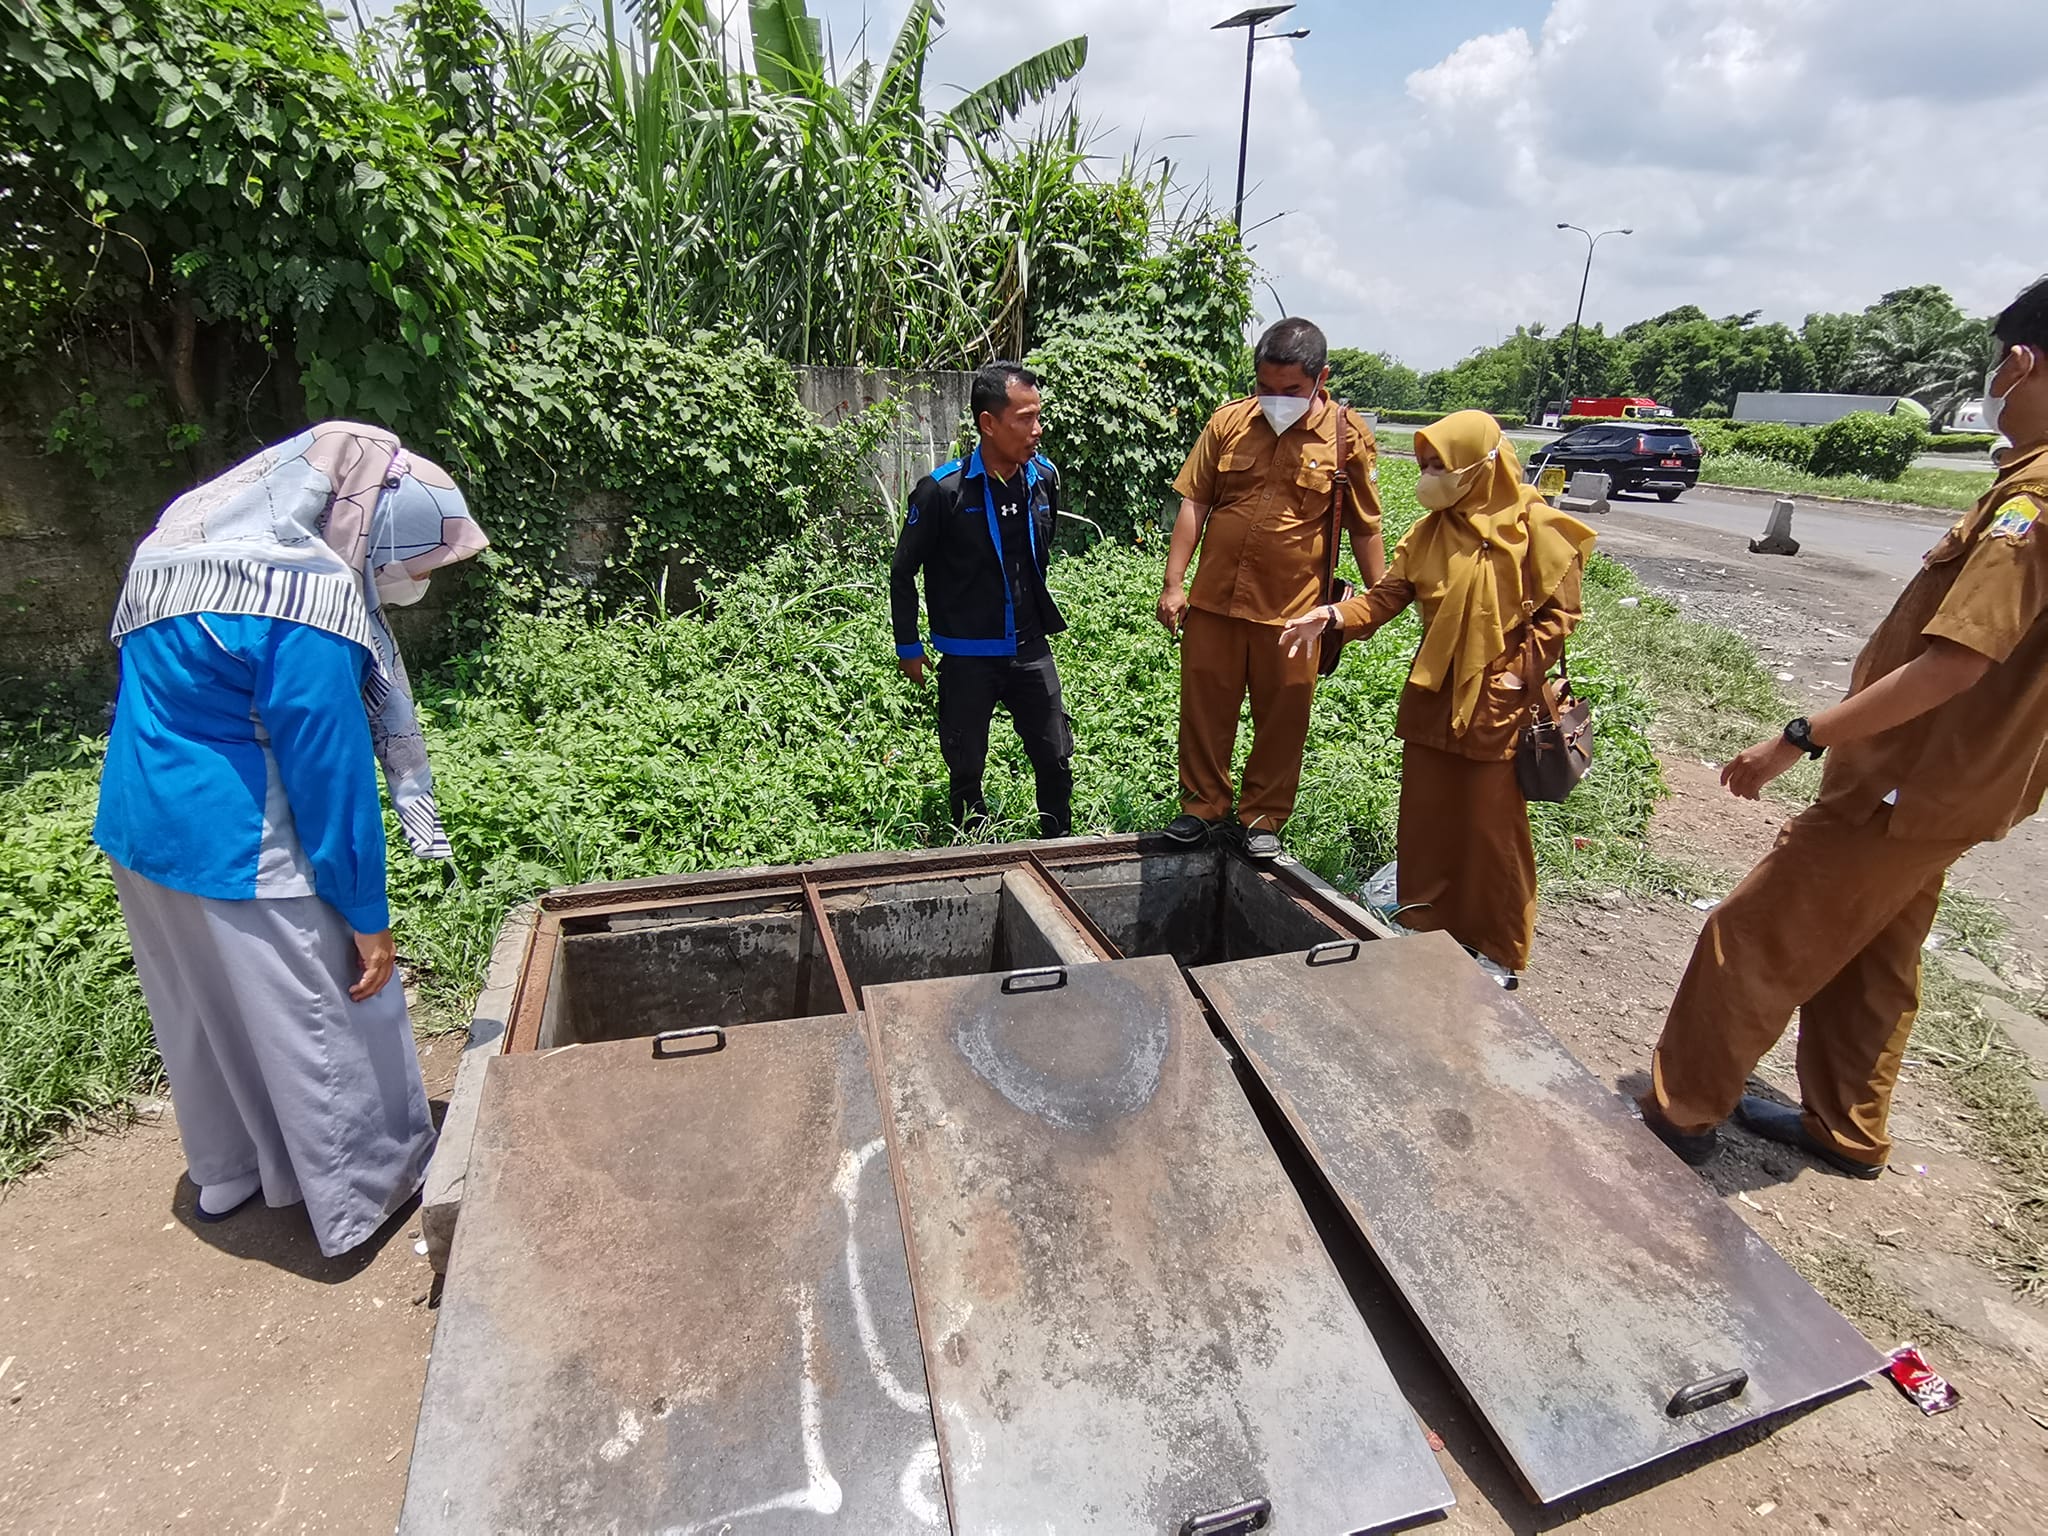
x: 1424, y: 716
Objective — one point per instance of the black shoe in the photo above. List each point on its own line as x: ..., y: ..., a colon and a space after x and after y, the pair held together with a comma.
x: 1262, y: 845
x: 1785, y: 1123
x: 1693, y: 1151
x: 1188, y: 829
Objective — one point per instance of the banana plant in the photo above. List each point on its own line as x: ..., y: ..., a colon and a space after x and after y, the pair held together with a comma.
x: 818, y: 211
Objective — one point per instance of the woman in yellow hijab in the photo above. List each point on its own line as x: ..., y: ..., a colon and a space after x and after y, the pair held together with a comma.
x: 1496, y: 572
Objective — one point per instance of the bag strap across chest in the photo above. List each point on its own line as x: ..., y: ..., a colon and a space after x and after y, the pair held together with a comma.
x: 1340, y: 490
x: 1539, y: 689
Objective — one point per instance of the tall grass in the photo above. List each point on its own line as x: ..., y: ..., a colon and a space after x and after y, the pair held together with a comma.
x: 74, y: 1037
x: 840, y: 219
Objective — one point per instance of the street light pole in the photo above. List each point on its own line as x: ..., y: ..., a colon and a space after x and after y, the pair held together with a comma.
x: 1251, y: 20
x: 1244, y: 131
x: 1571, y: 370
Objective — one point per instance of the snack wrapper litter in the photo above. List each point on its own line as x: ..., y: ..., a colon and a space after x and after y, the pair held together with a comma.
x: 1913, y: 1376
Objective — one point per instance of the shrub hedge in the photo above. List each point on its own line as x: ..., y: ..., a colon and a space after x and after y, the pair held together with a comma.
x: 1875, y: 447
x: 1866, y: 443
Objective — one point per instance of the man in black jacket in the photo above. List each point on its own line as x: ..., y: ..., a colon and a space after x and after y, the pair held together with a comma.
x: 981, y: 532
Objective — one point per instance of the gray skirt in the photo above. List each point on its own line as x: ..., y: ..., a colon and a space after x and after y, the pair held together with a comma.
x: 274, y: 1069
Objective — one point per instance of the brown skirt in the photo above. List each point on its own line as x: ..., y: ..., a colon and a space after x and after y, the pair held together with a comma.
x: 1467, y: 865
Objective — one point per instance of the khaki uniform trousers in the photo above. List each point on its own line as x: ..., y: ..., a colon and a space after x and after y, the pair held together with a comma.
x: 1830, y: 923
x: 1467, y: 864
x: 1222, y: 659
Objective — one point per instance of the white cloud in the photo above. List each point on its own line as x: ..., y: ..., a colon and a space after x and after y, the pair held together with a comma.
x: 1788, y: 155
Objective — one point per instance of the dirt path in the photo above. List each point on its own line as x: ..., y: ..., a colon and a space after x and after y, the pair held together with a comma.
x: 163, y: 1375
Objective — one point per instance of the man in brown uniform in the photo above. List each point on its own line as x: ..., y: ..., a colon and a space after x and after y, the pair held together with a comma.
x: 1256, y: 495
x: 1941, y: 744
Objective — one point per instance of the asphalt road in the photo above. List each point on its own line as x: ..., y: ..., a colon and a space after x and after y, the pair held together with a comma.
x: 1887, y: 544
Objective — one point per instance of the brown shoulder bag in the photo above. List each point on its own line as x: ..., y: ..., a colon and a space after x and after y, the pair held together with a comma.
x: 1335, y: 588
x: 1556, y: 746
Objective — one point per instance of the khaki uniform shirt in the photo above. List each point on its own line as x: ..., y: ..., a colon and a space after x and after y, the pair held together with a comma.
x: 1505, y: 702
x: 1972, y: 768
x: 1264, y: 549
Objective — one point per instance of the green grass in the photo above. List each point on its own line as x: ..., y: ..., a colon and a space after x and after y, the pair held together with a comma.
x: 2001, y: 1120
x: 771, y: 727
x: 1954, y: 490
x: 74, y: 1037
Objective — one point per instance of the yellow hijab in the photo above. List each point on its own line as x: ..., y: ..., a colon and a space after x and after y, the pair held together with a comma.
x: 1484, y: 563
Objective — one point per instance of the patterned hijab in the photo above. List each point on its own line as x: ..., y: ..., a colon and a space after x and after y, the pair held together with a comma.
x: 305, y: 530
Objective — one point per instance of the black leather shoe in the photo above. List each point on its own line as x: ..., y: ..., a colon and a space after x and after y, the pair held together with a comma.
x: 1785, y: 1123
x: 1188, y: 829
x: 1693, y: 1151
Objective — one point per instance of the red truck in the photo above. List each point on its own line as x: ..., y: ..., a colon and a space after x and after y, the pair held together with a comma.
x: 1629, y: 407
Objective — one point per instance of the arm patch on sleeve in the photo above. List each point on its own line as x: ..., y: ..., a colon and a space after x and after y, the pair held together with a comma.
x: 2014, y: 519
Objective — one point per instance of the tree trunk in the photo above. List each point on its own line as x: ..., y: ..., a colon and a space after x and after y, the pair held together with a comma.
x: 184, y: 346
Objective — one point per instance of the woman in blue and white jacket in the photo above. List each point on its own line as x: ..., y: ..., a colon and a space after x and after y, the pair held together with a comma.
x: 260, y: 685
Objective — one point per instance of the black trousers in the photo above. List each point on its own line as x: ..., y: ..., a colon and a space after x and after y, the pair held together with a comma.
x: 1028, y: 686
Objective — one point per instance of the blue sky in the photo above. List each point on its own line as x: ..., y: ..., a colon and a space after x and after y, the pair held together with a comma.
x: 1410, y: 161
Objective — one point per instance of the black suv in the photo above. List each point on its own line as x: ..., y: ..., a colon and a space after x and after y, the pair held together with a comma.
x: 1634, y: 455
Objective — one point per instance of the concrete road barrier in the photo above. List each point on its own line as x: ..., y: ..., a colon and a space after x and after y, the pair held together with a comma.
x: 1777, y: 539
x: 1587, y: 492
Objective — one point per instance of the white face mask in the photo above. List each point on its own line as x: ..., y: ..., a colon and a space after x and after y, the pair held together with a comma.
x: 1994, y: 405
x: 1283, y: 411
x: 399, y: 588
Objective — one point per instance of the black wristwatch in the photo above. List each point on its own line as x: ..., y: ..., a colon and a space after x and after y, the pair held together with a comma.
x: 1800, y: 734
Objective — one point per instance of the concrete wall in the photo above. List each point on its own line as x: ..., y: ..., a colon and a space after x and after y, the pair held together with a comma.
x: 65, y: 539
x: 931, y: 410
x: 66, y: 536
